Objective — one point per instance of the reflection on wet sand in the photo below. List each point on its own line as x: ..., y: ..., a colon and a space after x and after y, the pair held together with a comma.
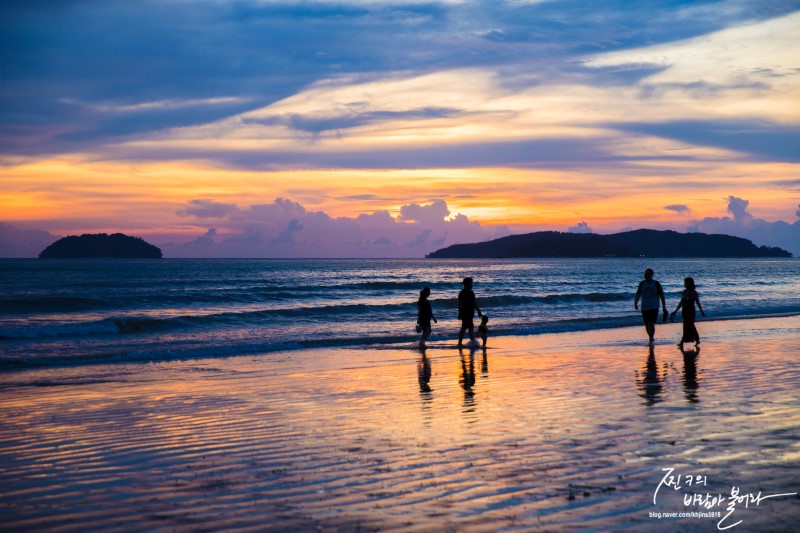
x: 690, y: 380
x: 467, y: 377
x: 648, y: 380
x: 651, y: 381
x: 467, y: 382
x: 348, y: 440
x: 424, y: 373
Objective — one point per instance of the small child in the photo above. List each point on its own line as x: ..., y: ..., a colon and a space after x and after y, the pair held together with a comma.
x: 483, y: 329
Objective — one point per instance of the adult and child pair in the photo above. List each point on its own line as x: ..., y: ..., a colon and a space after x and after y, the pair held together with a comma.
x: 650, y: 292
x: 467, y: 305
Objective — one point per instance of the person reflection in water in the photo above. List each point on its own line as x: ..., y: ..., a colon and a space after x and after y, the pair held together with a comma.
x: 650, y: 385
x: 689, y: 298
x: 467, y: 381
x: 690, y: 381
x: 425, y: 314
x: 467, y: 378
x: 424, y: 373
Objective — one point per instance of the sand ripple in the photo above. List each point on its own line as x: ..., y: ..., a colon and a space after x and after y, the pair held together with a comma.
x: 558, y: 432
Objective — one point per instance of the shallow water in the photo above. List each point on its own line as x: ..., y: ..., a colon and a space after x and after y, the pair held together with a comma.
x: 87, y: 311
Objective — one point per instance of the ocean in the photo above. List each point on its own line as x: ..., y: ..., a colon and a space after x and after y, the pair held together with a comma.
x: 79, y: 312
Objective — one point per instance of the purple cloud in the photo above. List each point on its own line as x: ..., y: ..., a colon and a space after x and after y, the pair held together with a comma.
x: 738, y: 208
x: 580, y: 227
x: 207, y: 209
x: 426, y: 214
x: 678, y: 208
x: 285, y: 228
x: 285, y: 237
x: 743, y: 224
x: 18, y: 242
x: 207, y: 237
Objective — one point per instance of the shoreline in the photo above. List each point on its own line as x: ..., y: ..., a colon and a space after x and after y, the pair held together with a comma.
x: 440, y: 337
x: 566, y: 431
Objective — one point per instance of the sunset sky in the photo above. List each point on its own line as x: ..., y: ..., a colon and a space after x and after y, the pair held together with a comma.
x: 372, y: 128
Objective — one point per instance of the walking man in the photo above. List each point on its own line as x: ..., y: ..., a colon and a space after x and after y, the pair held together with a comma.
x: 650, y: 292
x: 467, y: 305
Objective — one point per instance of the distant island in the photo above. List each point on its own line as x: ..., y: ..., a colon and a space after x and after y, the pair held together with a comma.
x: 637, y: 243
x: 116, y: 246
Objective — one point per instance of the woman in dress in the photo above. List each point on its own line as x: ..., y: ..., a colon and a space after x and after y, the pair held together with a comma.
x: 689, y: 298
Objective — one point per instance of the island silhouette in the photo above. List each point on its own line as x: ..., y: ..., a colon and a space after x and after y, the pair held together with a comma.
x: 115, y: 246
x: 636, y: 243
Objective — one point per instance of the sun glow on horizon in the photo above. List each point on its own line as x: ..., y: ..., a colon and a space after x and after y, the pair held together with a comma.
x: 151, y: 194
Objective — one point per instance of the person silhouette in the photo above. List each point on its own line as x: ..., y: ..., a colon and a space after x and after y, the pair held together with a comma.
x: 650, y: 291
x: 689, y: 298
x: 467, y: 305
x: 425, y: 314
x: 483, y: 329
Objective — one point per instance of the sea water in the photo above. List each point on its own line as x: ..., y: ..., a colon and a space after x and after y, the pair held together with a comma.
x: 71, y: 312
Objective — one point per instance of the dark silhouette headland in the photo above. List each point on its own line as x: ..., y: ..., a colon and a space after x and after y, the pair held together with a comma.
x: 637, y: 243
x: 115, y: 246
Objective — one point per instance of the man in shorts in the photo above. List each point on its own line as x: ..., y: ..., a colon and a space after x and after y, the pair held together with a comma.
x: 650, y: 292
x: 466, y: 311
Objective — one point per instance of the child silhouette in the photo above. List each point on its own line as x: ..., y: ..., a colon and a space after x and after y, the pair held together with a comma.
x: 483, y: 329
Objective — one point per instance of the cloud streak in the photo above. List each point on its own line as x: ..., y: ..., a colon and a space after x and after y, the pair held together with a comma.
x: 534, y: 114
x: 678, y: 208
x: 402, y: 119
x: 231, y: 59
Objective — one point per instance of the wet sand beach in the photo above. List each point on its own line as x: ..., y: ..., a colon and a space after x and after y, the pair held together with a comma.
x: 557, y: 432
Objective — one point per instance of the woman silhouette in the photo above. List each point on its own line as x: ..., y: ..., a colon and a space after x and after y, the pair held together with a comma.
x: 425, y: 313
x: 689, y: 298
